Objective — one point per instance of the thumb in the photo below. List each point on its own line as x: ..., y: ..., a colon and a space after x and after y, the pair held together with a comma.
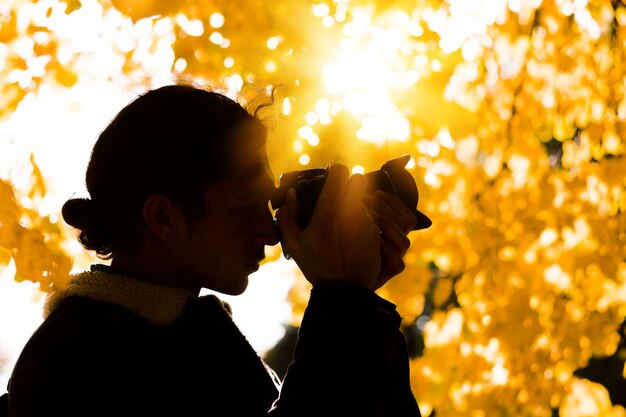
x: 287, y: 219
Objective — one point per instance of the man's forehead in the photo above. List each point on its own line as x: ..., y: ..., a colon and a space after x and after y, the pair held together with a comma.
x: 251, y: 167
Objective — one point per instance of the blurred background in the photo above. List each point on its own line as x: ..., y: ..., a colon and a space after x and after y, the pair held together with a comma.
x: 513, y: 112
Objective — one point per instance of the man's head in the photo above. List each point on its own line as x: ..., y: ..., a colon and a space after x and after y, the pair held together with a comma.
x: 175, y: 149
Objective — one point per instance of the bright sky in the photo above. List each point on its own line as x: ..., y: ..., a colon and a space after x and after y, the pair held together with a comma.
x: 60, y: 127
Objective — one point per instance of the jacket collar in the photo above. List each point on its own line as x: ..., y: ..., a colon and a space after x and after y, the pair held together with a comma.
x: 158, y: 304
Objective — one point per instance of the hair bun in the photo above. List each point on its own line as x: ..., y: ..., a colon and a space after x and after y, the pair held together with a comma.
x: 95, y: 232
x: 79, y: 212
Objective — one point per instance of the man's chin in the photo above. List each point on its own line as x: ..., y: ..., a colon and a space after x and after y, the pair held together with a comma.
x: 238, y: 289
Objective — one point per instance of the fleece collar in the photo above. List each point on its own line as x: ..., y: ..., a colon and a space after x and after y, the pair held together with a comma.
x: 158, y: 304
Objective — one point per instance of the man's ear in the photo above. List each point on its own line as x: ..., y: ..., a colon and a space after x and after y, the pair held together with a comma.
x: 163, y: 217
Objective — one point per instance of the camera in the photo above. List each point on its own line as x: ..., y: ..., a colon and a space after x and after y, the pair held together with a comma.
x: 392, y: 178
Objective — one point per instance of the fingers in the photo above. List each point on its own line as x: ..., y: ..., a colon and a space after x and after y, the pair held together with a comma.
x: 333, y: 190
x: 355, y: 191
x: 391, y: 206
x: 382, y: 208
x: 395, y: 220
x: 392, y: 263
x: 391, y: 233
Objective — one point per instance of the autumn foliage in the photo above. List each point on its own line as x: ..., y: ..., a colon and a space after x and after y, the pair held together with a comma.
x: 514, y: 113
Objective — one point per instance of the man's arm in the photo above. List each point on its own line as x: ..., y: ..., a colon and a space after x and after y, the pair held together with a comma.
x: 349, y: 357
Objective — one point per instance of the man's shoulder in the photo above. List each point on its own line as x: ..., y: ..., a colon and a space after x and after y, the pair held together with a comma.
x: 81, y: 324
x: 77, y: 311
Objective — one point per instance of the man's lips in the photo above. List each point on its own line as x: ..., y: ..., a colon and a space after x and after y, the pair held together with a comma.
x: 256, y: 262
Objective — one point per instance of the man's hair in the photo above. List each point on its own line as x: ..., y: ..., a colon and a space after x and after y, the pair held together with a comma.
x: 174, y: 140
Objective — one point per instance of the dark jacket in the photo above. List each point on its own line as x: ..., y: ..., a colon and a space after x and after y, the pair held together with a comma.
x: 142, y: 353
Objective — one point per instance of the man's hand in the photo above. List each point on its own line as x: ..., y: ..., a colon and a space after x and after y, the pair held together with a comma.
x: 342, y: 240
x: 395, y: 221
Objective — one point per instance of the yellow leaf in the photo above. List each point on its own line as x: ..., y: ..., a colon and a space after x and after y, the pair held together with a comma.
x: 65, y: 76
x: 37, y: 181
x: 10, y: 97
x: 139, y: 9
x: 72, y: 5
x: 5, y: 258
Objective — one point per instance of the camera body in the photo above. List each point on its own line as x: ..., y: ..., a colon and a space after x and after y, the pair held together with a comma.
x: 392, y: 178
